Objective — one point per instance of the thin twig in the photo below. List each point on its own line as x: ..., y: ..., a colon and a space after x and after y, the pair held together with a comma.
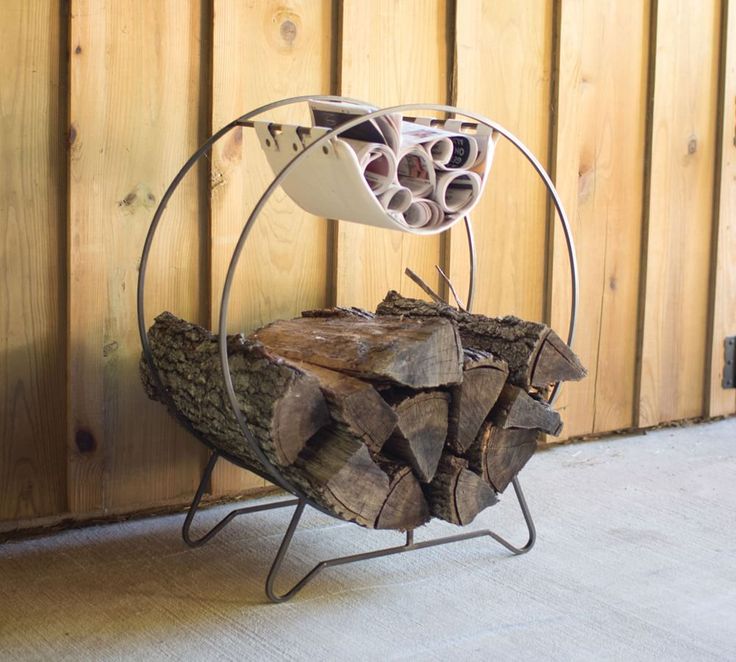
x: 460, y: 304
x: 432, y: 294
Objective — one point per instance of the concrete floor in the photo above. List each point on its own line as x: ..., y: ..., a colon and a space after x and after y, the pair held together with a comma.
x: 635, y: 560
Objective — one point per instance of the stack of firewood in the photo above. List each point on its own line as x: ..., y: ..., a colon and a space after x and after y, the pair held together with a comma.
x: 384, y: 419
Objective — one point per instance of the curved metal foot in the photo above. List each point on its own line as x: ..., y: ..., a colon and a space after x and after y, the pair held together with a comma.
x: 194, y: 507
x: 409, y: 546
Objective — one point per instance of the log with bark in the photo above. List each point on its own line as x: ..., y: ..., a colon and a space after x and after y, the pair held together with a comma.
x: 382, y: 420
x: 414, y: 353
x: 283, y: 405
x: 536, y: 355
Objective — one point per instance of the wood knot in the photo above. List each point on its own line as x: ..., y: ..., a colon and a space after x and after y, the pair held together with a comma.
x: 110, y: 348
x: 283, y: 28
x: 72, y: 135
x: 692, y: 145
x: 140, y: 196
x: 288, y: 31
x: 85, y: 441
x: 78, y: 49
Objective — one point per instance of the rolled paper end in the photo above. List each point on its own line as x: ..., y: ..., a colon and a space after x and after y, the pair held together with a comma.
x: 423, y: 214
x: 457, y: 191
x: 441, y: 151
x: 396, y: 199
x: 416, y: 172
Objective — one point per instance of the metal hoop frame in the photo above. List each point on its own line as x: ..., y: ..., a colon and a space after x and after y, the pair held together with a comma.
x: 270, y: 472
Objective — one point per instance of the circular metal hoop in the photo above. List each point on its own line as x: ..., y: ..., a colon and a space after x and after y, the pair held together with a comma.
x: 273, y: 473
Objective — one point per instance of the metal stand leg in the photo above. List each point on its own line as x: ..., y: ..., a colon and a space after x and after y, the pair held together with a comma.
x: 301, y: 504
x: 409, y: 546
x: 203, y: 484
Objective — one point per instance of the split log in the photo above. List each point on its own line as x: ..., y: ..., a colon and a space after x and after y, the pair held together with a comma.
x: 405, y: 506
x: 457, y: 494
x: 517, y: 409
x: 498, y: 455
x: 337, y: 471
x: 484, y: 377
x: 420, y: 431
x: 414, y: 353
x: 355, y: 404
x: 536, y: 355
x: 283, y: 406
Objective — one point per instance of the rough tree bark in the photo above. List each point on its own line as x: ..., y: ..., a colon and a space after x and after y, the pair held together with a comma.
x: 536, y: 355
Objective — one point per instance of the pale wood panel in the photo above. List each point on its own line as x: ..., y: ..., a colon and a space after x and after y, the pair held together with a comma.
x: 392, y: 53
x: 265, y: 51
x: 504, y: 57
x: 600, y: 146
x: 135, y: 94
x: 723, y: 401
x: 32, y: 384
x: 680, y: 211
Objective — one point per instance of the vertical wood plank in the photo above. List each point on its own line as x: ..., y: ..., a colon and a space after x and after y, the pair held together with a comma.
x: 32, y: 383
x: 673, y: 346
x: 392, y: 53
x: 135, y: 97
x: 265, y: 51
x: 503, y: 67
x: 723, y: 401
x: 600, y: 147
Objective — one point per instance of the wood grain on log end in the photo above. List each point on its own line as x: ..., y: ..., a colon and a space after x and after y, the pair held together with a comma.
x: 498, y: 455
x: 355, y: 404
x: 420, y: 431
x: 457, y: 494
x: 405, y: 507
x: 343, y: 477
x: 556, y: 362
x: 517, y: 409
x: 484, y: 377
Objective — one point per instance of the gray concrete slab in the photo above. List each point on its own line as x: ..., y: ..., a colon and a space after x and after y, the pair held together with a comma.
x: 635, y: 560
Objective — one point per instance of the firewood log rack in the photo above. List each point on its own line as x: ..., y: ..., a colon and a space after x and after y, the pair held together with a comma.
x: 272, y: 474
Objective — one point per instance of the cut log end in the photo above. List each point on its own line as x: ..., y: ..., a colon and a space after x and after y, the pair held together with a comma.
x: 484, y: 377
x: 498, y: 455
x: 517, y: 409
x: 556, y: 362
x: 405, y: 507
x: 420, y: 431
x: 457, y: 494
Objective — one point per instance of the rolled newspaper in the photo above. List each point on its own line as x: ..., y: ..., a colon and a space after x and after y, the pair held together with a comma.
x: 423, y: 213
x: 416, y: 172
x: 396, y: 199
x: 457, y: 190
x: 377, y: 164
x: 449, y: 150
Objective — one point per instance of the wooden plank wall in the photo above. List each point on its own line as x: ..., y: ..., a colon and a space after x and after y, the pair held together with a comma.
x: 629, y: 105
x: 599, y: 139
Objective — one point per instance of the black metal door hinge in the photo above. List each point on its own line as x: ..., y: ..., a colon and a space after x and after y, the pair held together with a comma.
x: 729, y: 364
